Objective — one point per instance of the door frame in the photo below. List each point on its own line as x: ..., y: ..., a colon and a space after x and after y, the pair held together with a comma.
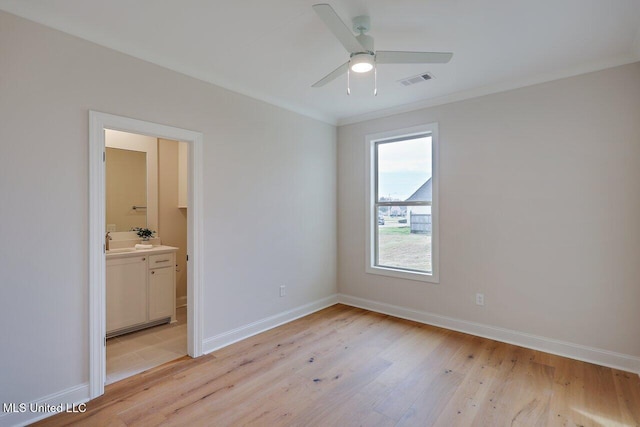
x: 98, y: 122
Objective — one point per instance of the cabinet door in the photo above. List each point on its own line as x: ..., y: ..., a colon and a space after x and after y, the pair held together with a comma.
x: 161, y: 292
x: 126, y: 292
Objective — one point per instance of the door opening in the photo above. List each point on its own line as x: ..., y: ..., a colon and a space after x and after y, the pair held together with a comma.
x: 99, y: 124
x: 146, y: 276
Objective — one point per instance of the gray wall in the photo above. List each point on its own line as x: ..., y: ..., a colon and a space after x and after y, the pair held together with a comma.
x: 539, y: 210
x: 269, y: 198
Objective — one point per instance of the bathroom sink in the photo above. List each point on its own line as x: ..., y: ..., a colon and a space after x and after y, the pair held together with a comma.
x: 121, y: 250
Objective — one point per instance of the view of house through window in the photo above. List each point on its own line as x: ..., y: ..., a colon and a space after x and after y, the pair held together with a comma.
x: 403, y: 202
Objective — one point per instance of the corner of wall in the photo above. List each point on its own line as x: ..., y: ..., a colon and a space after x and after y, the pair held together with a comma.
x: 227, y: 338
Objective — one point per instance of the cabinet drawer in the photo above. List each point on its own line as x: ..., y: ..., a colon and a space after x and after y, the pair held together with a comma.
x: 162, y: 260
x: 127, y: 260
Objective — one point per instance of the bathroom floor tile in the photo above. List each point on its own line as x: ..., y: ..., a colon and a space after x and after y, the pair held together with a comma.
x: 133, y: 353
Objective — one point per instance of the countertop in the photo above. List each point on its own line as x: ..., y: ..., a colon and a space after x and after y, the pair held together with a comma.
x: 130, y: 252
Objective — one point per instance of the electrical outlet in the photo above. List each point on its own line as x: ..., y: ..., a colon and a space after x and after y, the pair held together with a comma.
x: 283, y: 290
x: 479, y: 299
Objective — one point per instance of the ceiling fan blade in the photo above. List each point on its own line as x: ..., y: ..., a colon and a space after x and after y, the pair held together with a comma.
x: 338, y: 28
x: 399, y: 57
x: 332, y: 75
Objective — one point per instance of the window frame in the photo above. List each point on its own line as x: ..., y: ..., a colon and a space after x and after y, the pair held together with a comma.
x: 398, y: 135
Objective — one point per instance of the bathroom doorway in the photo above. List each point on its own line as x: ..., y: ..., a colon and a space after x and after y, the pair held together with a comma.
x: 187, y: 256
x: 146, y: 281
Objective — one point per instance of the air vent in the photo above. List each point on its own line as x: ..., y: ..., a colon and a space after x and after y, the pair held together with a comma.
x: 416, y: 79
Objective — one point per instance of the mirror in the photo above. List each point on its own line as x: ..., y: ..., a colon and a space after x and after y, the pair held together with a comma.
x: 126, y: 189
x: 131, y: 174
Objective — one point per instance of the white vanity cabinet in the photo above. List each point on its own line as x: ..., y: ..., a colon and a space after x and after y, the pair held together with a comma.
x: 162, y: 286
x: 141, y: 289
x: 126, y: 292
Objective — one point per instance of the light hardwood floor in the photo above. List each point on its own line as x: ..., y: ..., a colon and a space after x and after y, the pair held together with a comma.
x: 345, y: 366
x: 133, y: 353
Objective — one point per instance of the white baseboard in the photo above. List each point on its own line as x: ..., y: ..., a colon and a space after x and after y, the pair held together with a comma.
x: 573, y: 351
x: 46, y: 406
x: 181, y: 301
x: 226, y: 338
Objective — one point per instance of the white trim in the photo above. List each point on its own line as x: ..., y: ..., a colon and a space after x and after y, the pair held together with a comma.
x: 598, y: 356
x: 97, y: 123
x: 238, y: 334
x: 97, y: 261
x: 372, y: 217
x: 491, y: 89
x: 400, y: 274
x: 195, y: 244
x: 72, y: 396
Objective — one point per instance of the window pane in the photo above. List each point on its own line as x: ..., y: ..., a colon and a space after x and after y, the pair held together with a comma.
x: 404, y: 237
x: 404, y: 170
x: 404, y: 232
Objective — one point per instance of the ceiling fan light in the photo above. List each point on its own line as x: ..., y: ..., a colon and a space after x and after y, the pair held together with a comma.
x: 361, y: 67
x: 361, y: 63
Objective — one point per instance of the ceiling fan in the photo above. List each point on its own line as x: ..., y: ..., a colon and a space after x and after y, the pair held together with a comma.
x: 363, y: 58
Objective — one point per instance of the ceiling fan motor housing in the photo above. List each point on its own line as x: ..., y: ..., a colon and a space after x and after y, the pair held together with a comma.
x: 361, y: 24
x: 366, y: 42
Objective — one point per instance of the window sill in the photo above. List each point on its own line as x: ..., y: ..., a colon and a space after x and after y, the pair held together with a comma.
x: 402, y: 274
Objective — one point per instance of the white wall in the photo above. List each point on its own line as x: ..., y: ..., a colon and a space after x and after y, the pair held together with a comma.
x: 269, y: 190
x: 539, y: 210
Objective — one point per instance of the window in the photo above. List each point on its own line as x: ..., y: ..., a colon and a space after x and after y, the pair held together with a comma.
x: 402, y: 235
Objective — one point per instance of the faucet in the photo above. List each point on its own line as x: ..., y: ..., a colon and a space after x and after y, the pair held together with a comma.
x: 107, y: 237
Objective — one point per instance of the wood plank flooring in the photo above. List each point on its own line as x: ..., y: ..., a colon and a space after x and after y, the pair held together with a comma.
x: 344, y: 366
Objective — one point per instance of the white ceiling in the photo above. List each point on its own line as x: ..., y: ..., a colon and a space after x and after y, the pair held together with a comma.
x: 275, y: 50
